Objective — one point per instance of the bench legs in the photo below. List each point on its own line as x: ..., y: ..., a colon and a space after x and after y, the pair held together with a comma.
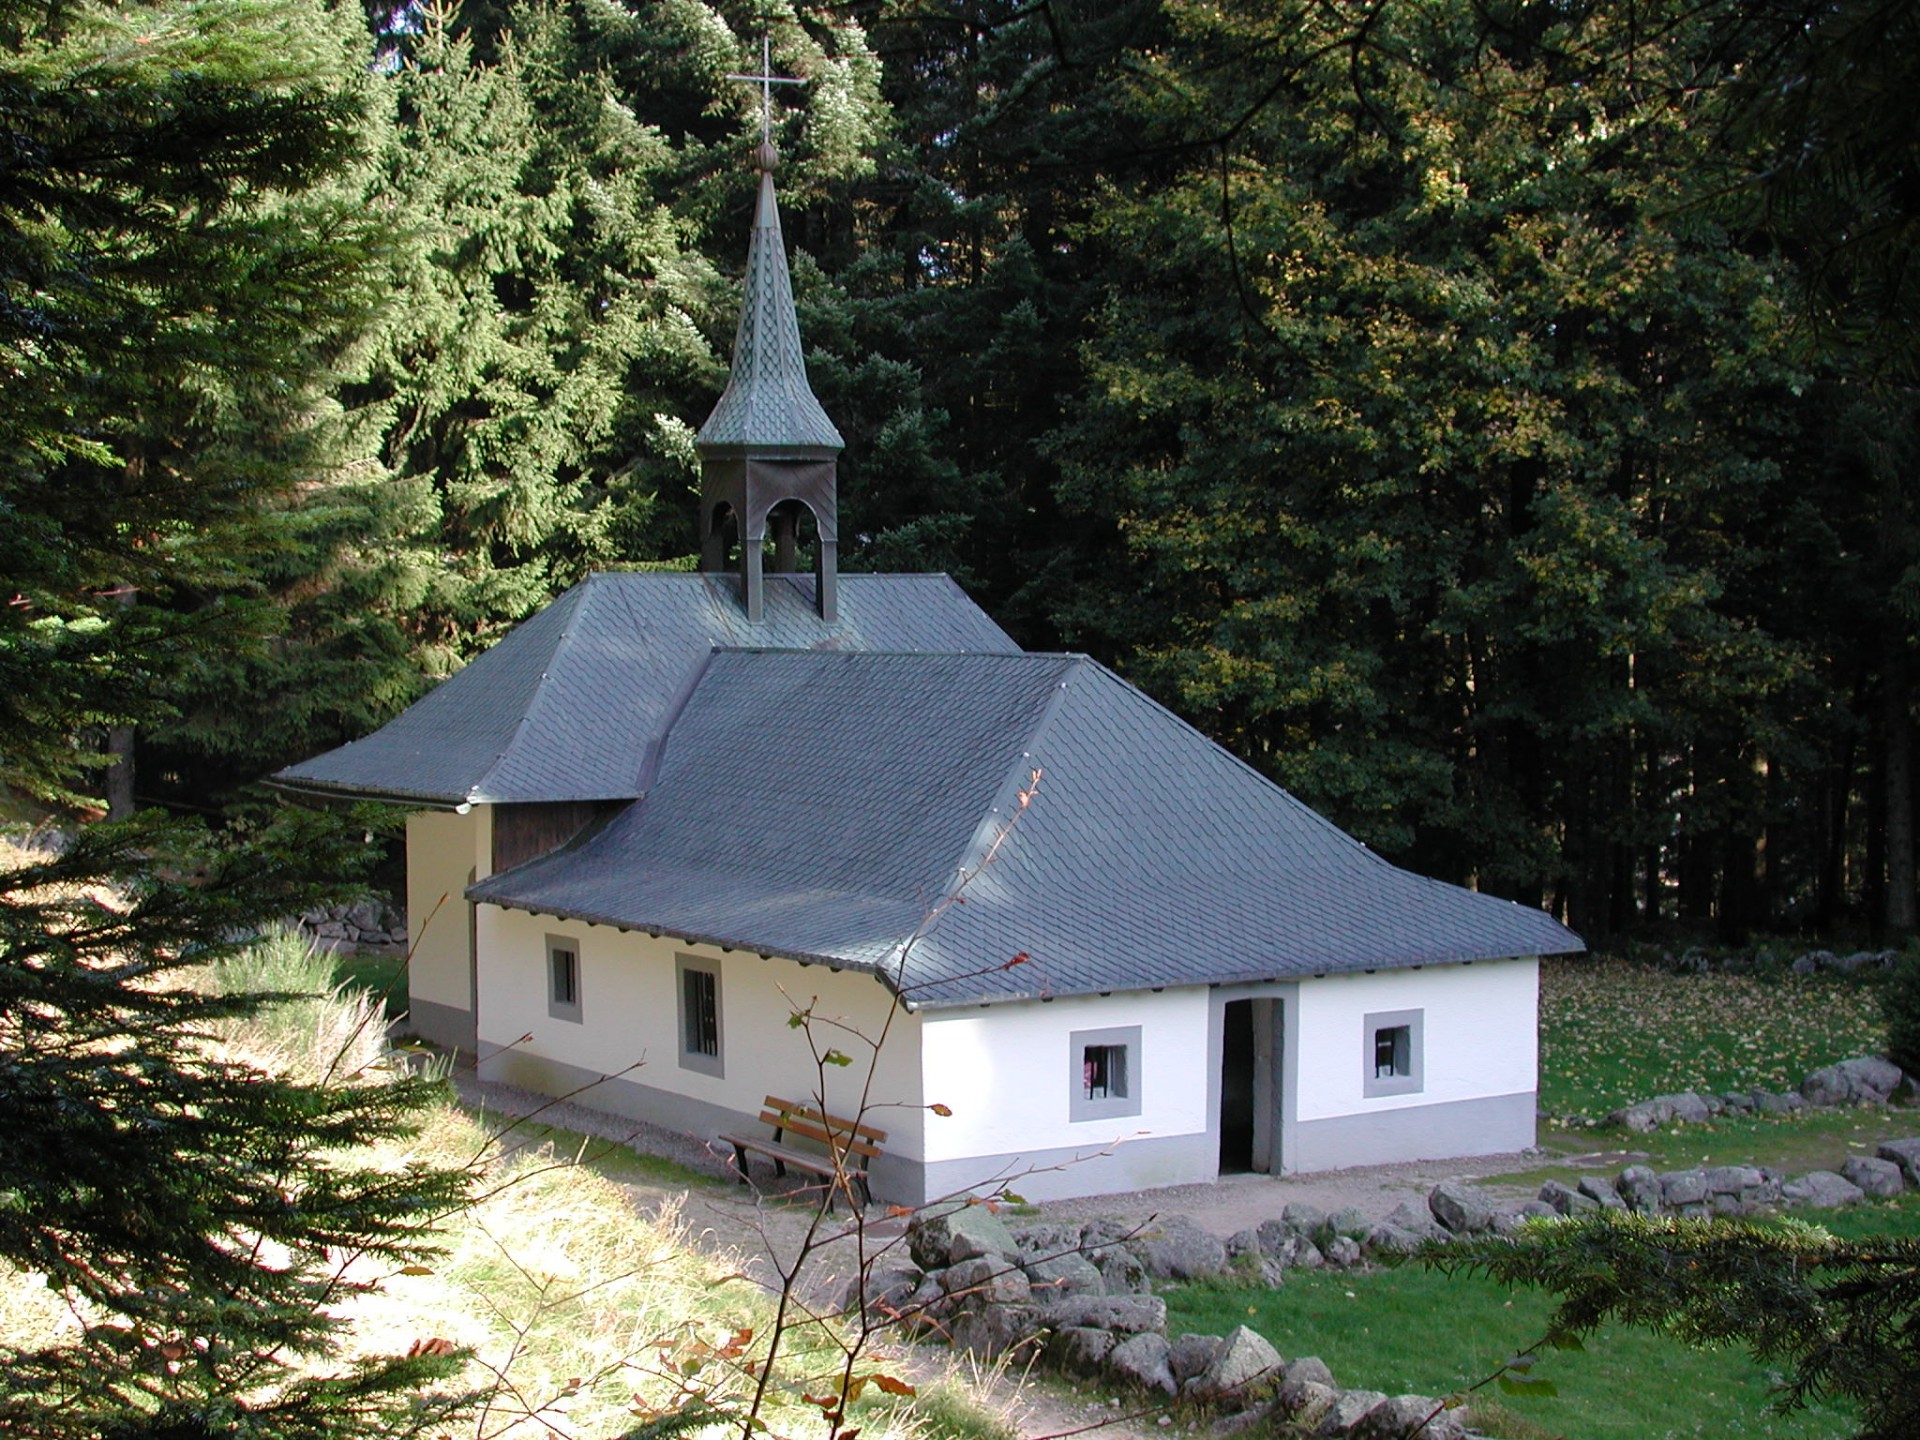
x: 835, y: 1183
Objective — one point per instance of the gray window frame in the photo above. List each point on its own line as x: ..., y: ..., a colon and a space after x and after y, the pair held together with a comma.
x: 557, y: 947
x: 1108, y: 1107
x: 698, y: 1060
x: 1415, y: 1080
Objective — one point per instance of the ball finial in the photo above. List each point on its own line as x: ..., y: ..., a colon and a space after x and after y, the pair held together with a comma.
x: 766, y: 159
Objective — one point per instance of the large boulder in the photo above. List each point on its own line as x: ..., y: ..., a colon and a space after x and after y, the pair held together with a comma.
x: 1306, y: 1403
x: 1302, y: 1218
x: 1602, y: 1192
x: 991, y: 1330
x: 1640, y: 1188
x: 1563, y: 1199
x: 1295, y: 1252
x: 1307, y: 1367
x: 1245, y: 1367
x: 1081, y: 1349
x: 1122, y: 1314
x: 1823, y: 1190
x: 1349, y: 1408
x: 1385, y: 1239
x: 1683, y: 1187
x: 1061, y: 1277
x: 950, y: 1234
x: 1417, y: 1221
x: 1865, y: 1080
x: 1905, y: 1154
x: 1348, y: 1220
x: 1733, y: 1179
x: 1342, y: 1253
x: 988, y: 1280
x: 1879, y: 1178
x: 1144, y: 1360
x: 1176, y: 1248
x: 1400, y: 1416
x: 885, y: 1290
x: 1192, y: 1355
x: 1460, y: 1207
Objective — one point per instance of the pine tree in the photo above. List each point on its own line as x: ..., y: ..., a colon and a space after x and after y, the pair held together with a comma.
x: 177, y: 276
x: 171, y: 171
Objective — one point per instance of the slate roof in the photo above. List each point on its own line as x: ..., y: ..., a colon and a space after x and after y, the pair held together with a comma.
x: 1147, y: 857
x: 573, y: 703
x: 768, y: 404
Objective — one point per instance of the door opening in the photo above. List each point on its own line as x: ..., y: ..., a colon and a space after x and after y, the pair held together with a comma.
x: 1236, y: 1087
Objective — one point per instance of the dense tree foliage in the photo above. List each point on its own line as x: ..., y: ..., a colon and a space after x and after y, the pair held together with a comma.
x: 156, y: 183
x: 1493, y: 422
x: 181, y: 269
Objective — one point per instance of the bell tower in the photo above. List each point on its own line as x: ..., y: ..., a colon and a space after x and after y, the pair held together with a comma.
x: 768, y: 452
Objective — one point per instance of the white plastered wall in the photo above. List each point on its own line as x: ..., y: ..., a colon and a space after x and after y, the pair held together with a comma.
x: 629, y: 1005
x: 1480, y: 1036
x: 444, y: 851
x: 1008, y: 1073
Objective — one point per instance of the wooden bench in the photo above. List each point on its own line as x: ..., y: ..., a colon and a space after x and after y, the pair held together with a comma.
x: 849, y: 1146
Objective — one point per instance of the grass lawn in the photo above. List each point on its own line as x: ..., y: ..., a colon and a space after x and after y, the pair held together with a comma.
x: 1412, y: 1329
x: 606, y: 1158
x: 1612, y: 1032
x: 1794, y: 1144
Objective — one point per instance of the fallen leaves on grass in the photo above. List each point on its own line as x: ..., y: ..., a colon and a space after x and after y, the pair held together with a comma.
x: 1613, y: 1032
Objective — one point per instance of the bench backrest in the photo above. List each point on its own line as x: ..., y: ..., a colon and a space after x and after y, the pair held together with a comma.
x: 835, y: 1132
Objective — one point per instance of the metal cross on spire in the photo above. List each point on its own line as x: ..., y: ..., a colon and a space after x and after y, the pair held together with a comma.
x: 766, y: 80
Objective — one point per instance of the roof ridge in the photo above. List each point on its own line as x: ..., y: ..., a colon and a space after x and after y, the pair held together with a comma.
x: 982, y: 846
x: 864, y: 654
x: 577, y: 595
x: 656, y: 750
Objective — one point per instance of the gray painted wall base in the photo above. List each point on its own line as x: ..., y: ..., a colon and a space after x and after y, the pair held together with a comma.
x: 616, y: 1096
x: 447, y: 1025
x: 1100, y: 1167
x: 1495, y: 1125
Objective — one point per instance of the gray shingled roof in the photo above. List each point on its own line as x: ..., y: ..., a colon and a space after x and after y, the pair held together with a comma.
x: 571, y: 705
x: 768, y: 403
x: 820, y: 806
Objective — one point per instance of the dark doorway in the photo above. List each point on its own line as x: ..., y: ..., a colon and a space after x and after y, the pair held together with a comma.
x: 1236, y: 1088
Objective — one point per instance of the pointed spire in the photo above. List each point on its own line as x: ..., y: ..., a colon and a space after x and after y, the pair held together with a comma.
x: 768, y: 405
x: 768, y: 453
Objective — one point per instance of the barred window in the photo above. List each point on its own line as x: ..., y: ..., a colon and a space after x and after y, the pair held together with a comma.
x: 702, y: 1027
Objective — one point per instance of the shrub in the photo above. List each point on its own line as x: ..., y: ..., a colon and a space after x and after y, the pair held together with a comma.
x: 1900, y: 1002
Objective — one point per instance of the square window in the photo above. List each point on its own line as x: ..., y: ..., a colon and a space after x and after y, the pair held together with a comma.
x: 1105, y: 1073
x: 702, y: 1034
x: 1394, y: 1041
x: 563, y: 978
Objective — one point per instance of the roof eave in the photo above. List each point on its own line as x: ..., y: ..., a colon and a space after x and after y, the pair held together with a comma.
x: 1253, y: 976
x: 691, y: 937
x: 347, y: 794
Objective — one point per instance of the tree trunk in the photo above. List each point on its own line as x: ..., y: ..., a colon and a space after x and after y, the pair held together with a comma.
x: 120, y: 772
x: 1896, y: 778
x: 119, y: 777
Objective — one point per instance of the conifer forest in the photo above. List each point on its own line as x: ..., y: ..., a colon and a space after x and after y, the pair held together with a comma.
x: 1494, y: 420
